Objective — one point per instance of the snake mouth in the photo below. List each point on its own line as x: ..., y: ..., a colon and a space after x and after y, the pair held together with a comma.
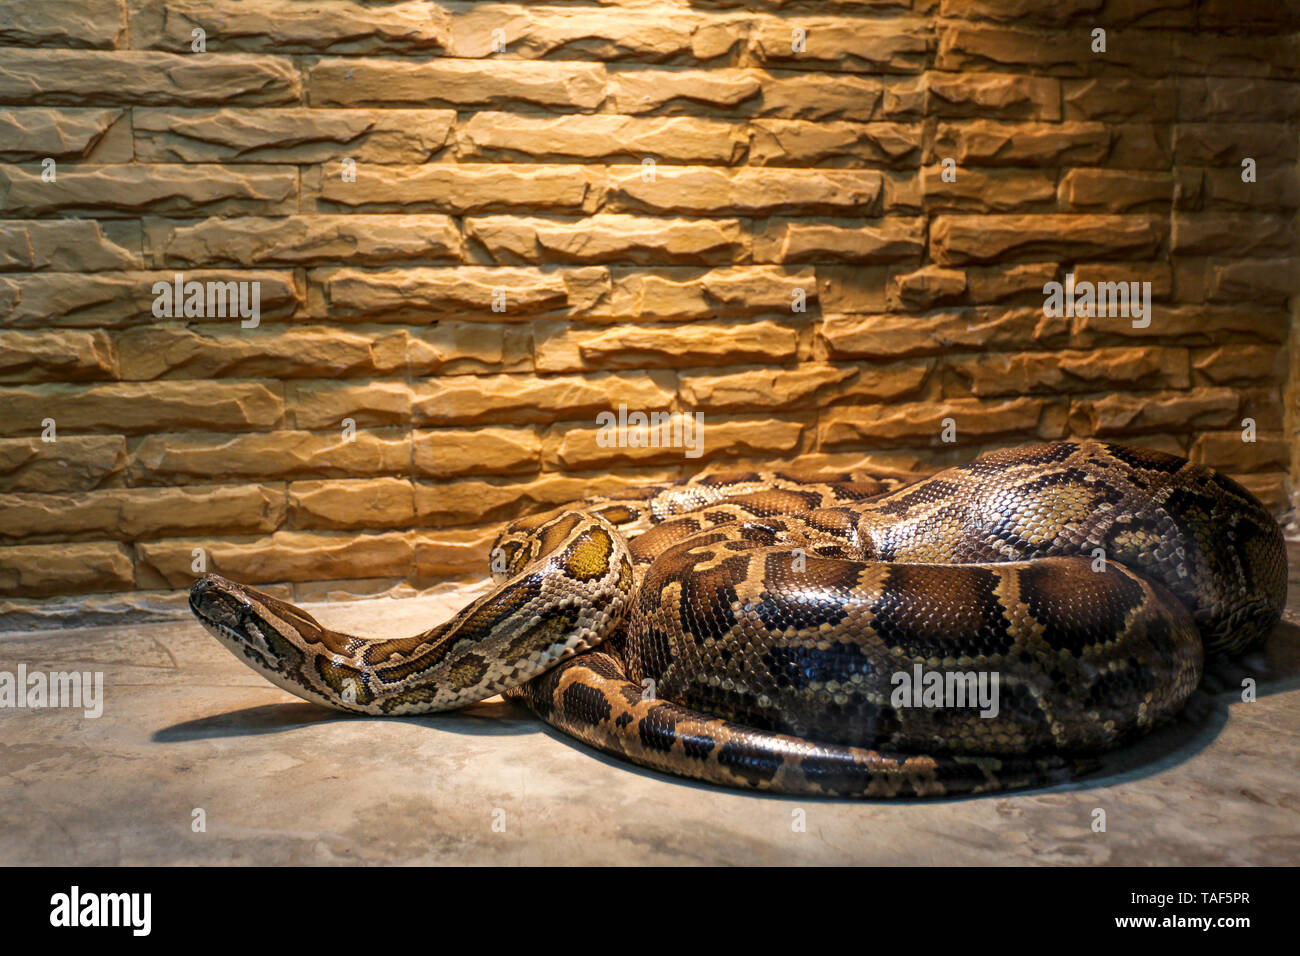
x: 231, y: 616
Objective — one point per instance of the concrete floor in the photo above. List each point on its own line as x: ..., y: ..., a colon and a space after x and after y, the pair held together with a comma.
x: 186, y: 726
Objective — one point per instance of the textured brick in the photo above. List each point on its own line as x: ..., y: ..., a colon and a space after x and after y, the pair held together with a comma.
x: 690, y: 294
x: 747, y: 92
x: 1190, y: 325
x: 289, y: 135
x: 1124, y: 414
x: 319, y: 405
x: 176, y: 352
x: 415, y: 293
x: 499, y: 499
x: 96, y: 24
x: 1242, y: 234
x: 283, y: 556
x: 453, y: 553
x: 896, y: 336
x: 454, y: 348
x: 133, y: 513
x: 448, y: 452
x: 1224, y: 144
x: 840, y: 43
x: 989, y: 190
x: 956, y: 239
x: 450, y: 187
x: 768, y: 388
x: 304, y: 240
x: 1236, y: 99
x: 494, y: 84
x: 1238, y: 364
x: 1115, y: 99
x: 778, y: 142
x: 891, y: 240
x: 1266, y: 54
x: 608, y: 237
x: 1260, y: 280
x: 28, y: 135
x: 745, y: 192
x: 267, y: 26
x: 1229, y: 452
x: 68, y: 245
x: 359, y: 503
x: 577, y: 446
x: 140, y: 78
x: 72, y: 463
x: 927, y: 287
x: 36, y: 570
x: 57, y: 356
x: 988, y: 95
x: 991, y: 143
x: 161, y: 190
x: 137, y: 407
x: 1027, y: 373
x: 515, y: 399
x: 968, y: 46
x: 1275, y: 188
x: 561, y: 348
x: 1016, y: 282
x: 190, y: 458
x: 123, y: 299
x: 1116, y: 190
x: 693, y: 91
x: 922, y: 423
x: 489, y: 136
x: 533, y: 32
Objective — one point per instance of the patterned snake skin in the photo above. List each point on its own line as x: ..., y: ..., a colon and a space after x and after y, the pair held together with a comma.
x: 752, y: 629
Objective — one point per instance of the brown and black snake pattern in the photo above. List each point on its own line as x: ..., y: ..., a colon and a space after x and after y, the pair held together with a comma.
x: 753, y: 629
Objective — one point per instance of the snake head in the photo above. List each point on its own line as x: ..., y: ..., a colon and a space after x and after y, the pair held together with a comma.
x: 266, y: 633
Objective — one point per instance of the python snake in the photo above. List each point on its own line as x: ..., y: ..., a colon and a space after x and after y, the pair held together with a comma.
x: 749, y: 630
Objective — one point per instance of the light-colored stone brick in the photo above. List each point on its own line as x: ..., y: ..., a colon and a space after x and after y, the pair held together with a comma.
x: 193, y: 458
x: 957, y: 239
x: 483, y: 84
x: 35, y: 570
x: 490, y: 136
x: 492, y: 450
x: 283, y: 556
x: 31, y: 135
x: 304, y: 240
x: 561, y: 348
x: 138, y: 407
x: 170, y: 189
x: 95, y: 24
x: 356, y: 504
x: 132, y: 513
x: 289, y: 135
x: 414, y: 294
x: 56, y: 356
x: 609, y: 237
x: 144, y: 78
x: 526, y: 399
x: 267, y: 26
x: 71, y: 463
x: 125, y: 299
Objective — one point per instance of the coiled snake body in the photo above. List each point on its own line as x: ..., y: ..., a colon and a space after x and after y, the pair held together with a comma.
x: 751, y: 629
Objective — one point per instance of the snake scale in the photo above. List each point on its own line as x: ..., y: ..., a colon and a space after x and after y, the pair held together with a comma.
x: 750, y: 629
